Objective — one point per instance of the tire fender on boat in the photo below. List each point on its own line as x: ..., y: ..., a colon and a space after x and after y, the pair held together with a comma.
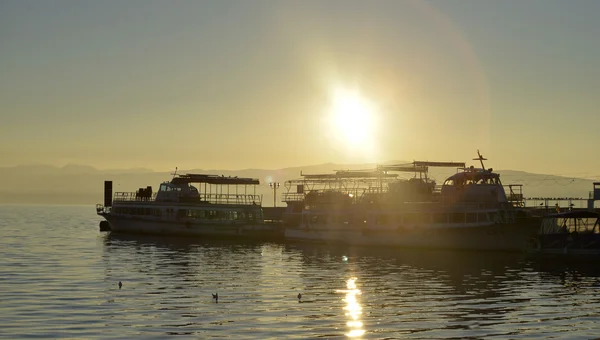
x: 104, y: 226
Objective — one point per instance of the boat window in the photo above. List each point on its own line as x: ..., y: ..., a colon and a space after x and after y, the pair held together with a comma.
x: 197, y: 214
x: 449, y: 182
x: 345, y: 219
x: 440, y: 218
x: 457, y: 218
x: 163, y: 187
x: 382, y: 219
x: 482, y: 217
x: 471, y: 218
x: 410, y: 218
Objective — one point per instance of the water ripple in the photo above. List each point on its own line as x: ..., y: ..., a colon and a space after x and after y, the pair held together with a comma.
x: 59, y: 275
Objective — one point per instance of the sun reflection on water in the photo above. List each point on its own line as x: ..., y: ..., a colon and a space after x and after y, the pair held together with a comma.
x: 353, y: 309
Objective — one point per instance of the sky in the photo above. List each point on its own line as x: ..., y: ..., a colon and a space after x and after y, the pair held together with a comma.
x: 274, y: 84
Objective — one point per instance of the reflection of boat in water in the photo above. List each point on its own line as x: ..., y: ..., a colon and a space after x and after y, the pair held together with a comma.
x: 218, y: 206
x: 571, y: 234
x: 470, y: 211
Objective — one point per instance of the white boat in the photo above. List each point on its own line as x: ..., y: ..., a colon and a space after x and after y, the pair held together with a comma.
x: 470, y: 211
x: 218, y: 206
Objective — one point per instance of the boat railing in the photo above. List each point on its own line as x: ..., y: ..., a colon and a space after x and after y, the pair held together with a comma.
x: 292, y: 197
x: 376, y: 190
x: 355, y: 194
x: 133, y: 196
x: 239, y: 199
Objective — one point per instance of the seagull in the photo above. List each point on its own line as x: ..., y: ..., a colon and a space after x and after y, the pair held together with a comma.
x: 120, y: 285
x: 299, y: 297
x: 216, y: 297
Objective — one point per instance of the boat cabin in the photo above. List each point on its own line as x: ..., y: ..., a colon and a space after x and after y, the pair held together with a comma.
x: 474, y: 185
x: 177, y: 192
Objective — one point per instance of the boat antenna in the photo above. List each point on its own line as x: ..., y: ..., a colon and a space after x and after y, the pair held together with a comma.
x: 480, y: 159
x: 174, y: 173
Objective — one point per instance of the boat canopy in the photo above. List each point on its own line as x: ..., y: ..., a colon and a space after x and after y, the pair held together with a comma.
x: 347, y: 174
x: 214, y: 179
x: 570, y: 221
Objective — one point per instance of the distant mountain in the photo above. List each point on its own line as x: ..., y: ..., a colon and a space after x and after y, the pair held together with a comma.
x: 81, y: 184
x: 76, y: 169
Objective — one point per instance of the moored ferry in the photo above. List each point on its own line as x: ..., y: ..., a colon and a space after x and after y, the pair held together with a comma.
x: 471, y: 210
x: 190, y: 205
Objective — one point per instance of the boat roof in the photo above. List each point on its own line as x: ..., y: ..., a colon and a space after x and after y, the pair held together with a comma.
x: 574, y: 214
x: 440, y: 164
x: 344, y: 174
x: 214, y: 179
x: 474, y: 174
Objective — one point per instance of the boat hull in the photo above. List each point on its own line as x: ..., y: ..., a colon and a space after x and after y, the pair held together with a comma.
x: 509, y: 237
x: 153, y: 226
x: 568, y: 253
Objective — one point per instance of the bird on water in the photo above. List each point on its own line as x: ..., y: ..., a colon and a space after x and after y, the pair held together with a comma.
x: 299, y: 297
x: 120, y: 284
x: 216, y: 297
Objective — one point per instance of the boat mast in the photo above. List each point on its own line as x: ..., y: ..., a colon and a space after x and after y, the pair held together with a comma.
x: 480, y: 159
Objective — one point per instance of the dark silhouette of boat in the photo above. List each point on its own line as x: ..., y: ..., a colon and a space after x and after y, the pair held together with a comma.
x: 214, y: 206
x: 569, y: 234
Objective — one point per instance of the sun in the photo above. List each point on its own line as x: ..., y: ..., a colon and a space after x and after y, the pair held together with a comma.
x: 352, y: 119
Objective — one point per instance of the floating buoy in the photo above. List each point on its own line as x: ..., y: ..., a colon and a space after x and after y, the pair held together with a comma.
x: 104, y: 226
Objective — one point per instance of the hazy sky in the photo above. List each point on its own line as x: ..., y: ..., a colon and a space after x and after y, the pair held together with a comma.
x: 259, y: 84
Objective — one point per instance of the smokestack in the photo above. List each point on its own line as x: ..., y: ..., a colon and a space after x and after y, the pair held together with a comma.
x: 107, y: 193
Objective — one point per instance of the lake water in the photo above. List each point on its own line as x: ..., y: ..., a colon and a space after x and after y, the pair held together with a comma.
x: 59, y: 279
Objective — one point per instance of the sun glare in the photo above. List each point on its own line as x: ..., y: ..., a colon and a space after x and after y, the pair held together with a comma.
x: 352, y: 120
x: 353, y: 309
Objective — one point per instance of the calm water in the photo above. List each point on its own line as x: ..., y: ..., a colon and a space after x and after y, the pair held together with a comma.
x: 59, y: 275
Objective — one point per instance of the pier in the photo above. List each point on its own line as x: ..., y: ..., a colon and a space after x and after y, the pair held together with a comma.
x: 556, y: 204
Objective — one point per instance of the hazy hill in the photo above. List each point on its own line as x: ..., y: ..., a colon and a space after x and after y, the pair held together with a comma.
x: 80, y: 184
